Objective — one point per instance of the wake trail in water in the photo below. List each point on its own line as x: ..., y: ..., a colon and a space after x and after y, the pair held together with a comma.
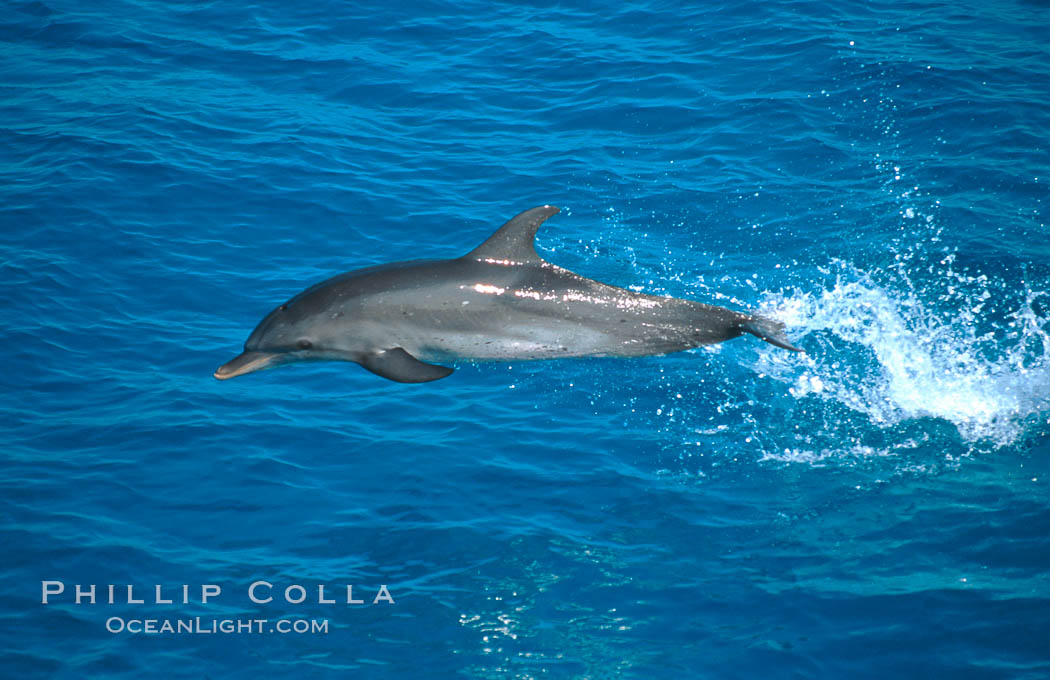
x: 891, y: 355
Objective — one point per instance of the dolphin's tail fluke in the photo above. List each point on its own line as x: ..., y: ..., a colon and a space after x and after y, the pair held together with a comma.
x: 769, y: 330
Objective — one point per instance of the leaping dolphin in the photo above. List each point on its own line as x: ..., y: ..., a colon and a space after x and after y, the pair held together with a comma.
x: 501, y: 301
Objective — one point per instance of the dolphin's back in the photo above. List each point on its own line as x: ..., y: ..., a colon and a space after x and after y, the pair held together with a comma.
x: 489, y: 311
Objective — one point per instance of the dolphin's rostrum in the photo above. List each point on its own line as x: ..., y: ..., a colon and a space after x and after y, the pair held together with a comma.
x: 501, y: 301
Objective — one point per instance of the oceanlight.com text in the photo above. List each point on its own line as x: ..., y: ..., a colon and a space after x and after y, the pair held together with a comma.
x: 198, y: 625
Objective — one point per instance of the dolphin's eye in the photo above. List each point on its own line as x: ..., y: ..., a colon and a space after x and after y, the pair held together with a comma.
x: 304, y: 344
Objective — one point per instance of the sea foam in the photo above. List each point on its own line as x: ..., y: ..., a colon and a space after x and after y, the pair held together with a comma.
x: 892, y: 354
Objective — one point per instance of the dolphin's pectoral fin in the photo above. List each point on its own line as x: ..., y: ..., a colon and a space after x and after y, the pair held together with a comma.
x: 397, y: 364
x: 513, y: 242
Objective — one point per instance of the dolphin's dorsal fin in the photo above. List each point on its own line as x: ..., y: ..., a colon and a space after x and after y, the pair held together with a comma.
x: 513, y: 242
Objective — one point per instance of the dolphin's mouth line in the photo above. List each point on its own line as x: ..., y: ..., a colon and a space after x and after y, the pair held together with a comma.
x: 246, y: 362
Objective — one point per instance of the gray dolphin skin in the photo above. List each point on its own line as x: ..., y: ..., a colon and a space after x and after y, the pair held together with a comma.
x: 500, y: 302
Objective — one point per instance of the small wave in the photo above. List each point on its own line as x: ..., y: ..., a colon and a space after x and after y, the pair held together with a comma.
x: 892, y: 354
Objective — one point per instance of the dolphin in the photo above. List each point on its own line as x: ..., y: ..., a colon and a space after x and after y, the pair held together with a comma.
x: 499, y: 302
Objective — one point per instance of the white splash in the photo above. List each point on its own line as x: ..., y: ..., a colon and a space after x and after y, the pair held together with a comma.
x: 892, y: 357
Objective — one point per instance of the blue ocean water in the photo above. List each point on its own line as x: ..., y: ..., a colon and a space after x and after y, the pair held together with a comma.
x: 873, y: 174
